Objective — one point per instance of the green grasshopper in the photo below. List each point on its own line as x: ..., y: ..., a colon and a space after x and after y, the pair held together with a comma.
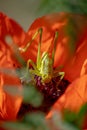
x: 44, y: 63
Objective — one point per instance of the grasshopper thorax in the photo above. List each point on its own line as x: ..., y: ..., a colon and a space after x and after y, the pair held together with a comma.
x: 46, y: 68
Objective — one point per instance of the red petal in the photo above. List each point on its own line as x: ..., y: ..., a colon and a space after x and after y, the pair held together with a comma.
x: 74, y: 97
x: 73, y: 68
x: 9, y: 27
x: 9, y: 104
x: 51, y: 23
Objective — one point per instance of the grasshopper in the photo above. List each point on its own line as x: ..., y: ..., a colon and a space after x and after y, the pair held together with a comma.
x: 44, y: 63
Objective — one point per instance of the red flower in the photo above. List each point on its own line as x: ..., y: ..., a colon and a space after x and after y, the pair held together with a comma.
x: 72, y: 31
x: 75, y: 64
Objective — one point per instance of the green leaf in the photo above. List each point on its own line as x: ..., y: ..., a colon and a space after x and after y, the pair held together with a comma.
x: 81, y: 114
x: 50, y: 6
x: 24, y: 75
x: 32, y: 95
x: 70, y: 117
x: 35, y: 120
x: 76, y: 119
x: 32, y: 121
x: 71, y: 31
x: 62, y: 124
x: 15, y: 126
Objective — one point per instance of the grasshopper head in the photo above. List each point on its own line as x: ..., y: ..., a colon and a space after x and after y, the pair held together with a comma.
x: 46, y: 78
